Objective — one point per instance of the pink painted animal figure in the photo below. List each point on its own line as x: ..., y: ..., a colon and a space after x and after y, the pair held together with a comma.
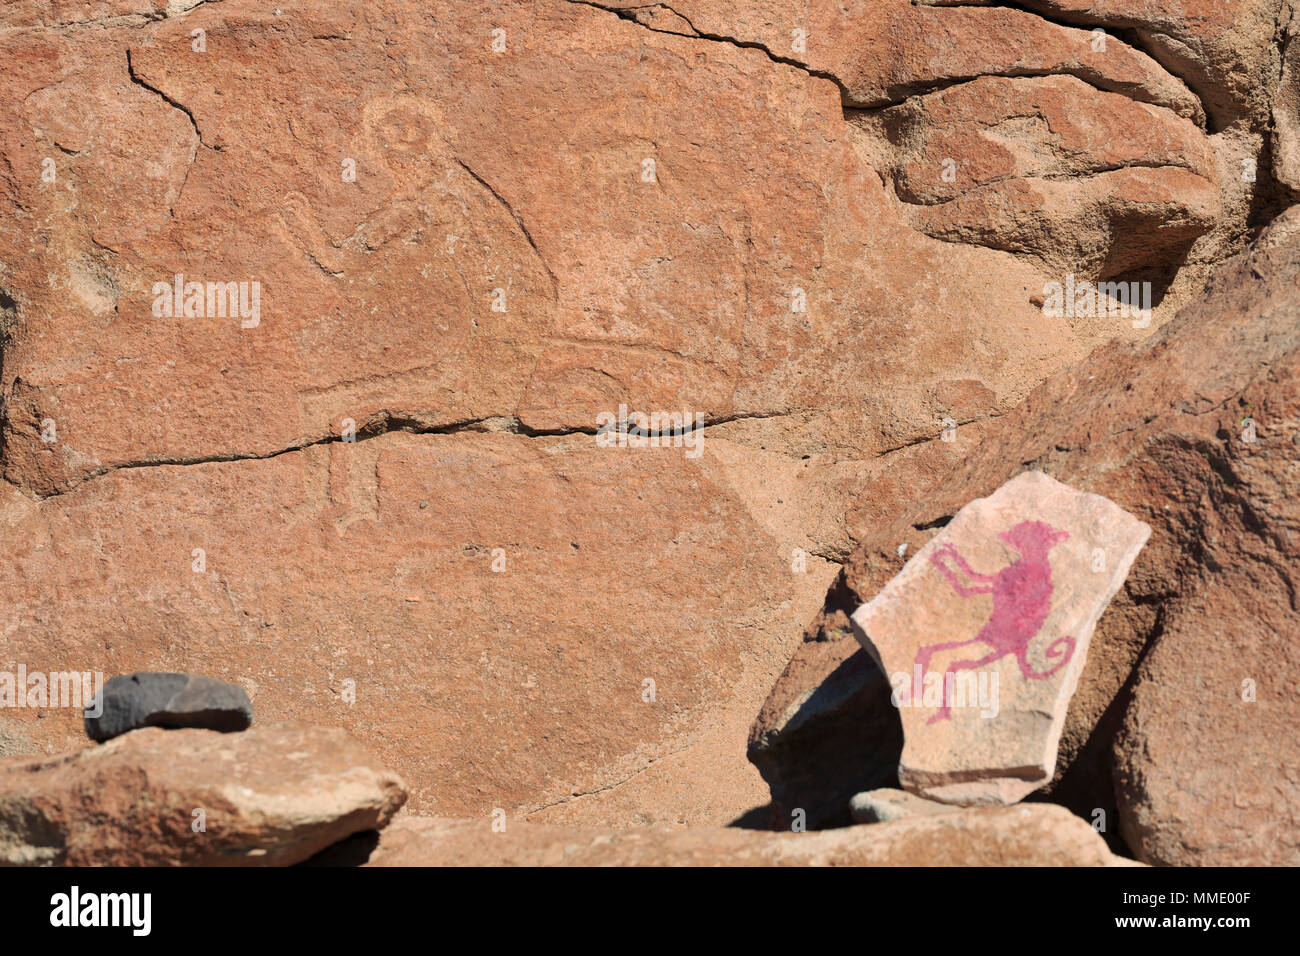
x: 1022, y: 598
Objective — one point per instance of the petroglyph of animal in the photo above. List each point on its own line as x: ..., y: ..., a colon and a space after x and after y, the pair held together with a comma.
x: 1022, y: 598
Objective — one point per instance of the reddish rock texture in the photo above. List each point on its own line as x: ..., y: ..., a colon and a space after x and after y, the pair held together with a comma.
x: 1006, y: 836
x: 730, y: 209
x: 397, y: 628
x: 133, y: 439
x: 1117, y: 188
x: 1215, y: 52
x: 1195, y: 433
x: 270, y: 796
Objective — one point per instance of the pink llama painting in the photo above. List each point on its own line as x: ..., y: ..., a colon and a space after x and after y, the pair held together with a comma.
x: 1022, y: 599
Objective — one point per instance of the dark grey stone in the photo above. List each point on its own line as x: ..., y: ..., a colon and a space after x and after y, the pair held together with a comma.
x: 131, y: 701
x: 844, y: 739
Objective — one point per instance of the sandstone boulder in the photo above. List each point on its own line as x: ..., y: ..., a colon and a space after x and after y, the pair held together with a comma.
x: 1006, y: 836
x: 1220, y: 54
x: 827, y: 731
x: 922, y: 65
x: 886, y: 806
x: 473, y: 232
x: 269, y: 796
x: 504, y: 268
x: 985, y: 631
x: 1193, y: 433
x: 1012, y: 163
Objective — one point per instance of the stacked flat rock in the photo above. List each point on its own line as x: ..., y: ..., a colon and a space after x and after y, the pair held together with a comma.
x: 984, y: 633
x: 131, y: 701
x: 274, y: 796
x: 885, y: 805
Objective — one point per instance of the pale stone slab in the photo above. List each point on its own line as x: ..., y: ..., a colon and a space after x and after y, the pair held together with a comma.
x: 1038, y: 834
x: 273, y: 795
x: 985, y: 631
x: 886, y: 805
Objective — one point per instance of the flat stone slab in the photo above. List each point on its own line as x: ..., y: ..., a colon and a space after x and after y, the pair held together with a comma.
x: 985, y: 631
x: 273, y: 796
x: 1037, y: 834
x: 887, y: 805
x: 131, y: 701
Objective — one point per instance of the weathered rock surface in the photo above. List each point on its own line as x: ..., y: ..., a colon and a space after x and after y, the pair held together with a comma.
x: 1122, y: 188
x: 1224, y: 52
x: 273, y: 795
x: 179, y: 491
x: 485, y: 595
x: 1221, y: 54
x: 669, y: 291
x: 985, y: 631
x: 1201, y: 76
x: 1206, y: 761
x: 1285, y: 110
x: 187, y: 479
x: 886, y: 806
x: 1161, y: 429
x: 827, y: 731
x: 131, y: 701
x: 1040, y: 835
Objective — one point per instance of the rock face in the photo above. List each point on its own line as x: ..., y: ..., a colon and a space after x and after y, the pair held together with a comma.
x: 1205, y: 762
x: 466, y: 307
x: 270, y: 796
x: 548, y: 312
x: 985, y: 631
x: 130, y: 701
x: 1037, y: 178
x: 989, y: 124
x: 1195, y: 433
x: 1004, y: 836
x: 402, y: 629
x: 306, y: 328
x: 1286, y: 105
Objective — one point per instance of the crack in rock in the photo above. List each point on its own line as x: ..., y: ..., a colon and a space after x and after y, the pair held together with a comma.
x: 382, y: 423
x: 628, y: 14
x: 145, y: 84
